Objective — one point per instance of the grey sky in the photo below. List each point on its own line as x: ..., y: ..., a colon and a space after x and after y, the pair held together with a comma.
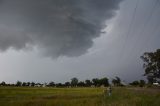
x: 56, y: 40
x: 60, y: 28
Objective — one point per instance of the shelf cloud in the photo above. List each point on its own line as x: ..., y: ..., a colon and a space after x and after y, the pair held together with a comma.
x: 57, y: 27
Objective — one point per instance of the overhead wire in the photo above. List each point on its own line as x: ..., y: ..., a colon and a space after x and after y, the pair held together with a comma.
x: 129, y: 29
x: 154, y: 29
x: 128, y: 32
x: 146, y: 22
x: 144, y: 28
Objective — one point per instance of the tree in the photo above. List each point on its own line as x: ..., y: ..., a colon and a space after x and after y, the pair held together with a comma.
x: 116, y: 81
x: 59, y: 85
x: 3, y: 83
x: 88, y: 83
x: 95, y: 81
x: 135, y: 83
x: 104, y: 81
x: 24, y: 84
x: 74, y: 81
x: 142, y: 83
x: 81, y: 84
x: 51, y: 84
x: 19, y: 83
x: 67, y: 84
x: 28, y: 84
x: 152, y: 65
x: 32, y: 84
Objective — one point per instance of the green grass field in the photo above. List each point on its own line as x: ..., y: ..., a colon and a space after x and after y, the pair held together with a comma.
x: 20, y: 96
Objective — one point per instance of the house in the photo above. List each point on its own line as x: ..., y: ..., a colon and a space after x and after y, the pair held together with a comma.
x: 156, y: 84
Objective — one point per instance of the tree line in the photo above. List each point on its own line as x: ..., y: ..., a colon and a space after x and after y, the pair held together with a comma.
x: 95, y: 82
x: 73, y: 83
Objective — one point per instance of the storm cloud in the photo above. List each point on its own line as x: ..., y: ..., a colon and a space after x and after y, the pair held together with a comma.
x: 56, y: 27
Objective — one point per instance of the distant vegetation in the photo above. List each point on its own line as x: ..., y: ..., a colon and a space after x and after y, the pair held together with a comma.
x: 140, y: 83
x: 96, y: 82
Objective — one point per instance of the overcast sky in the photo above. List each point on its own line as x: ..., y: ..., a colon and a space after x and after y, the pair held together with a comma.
x: 55, y: 40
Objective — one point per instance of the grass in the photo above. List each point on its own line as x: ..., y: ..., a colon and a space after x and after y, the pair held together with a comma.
x: 21, y: 96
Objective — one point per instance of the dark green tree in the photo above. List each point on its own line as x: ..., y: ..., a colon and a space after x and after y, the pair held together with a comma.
x: 24, y: 84
x: 51, y: 84
x: 95, y: 81
x: 135, y: 83
x: 28, y: 84
x: 59, y: 85
x: 67, y: 84
x: 81, y: 84
x: 142, y: 83
x: 104, y: 81
x: 32, y: 83
x: 116, y: 81
x: 74, y: 81
x: 19, y: 83
x: 3, y: 83
x: 152, y: 65
x: 88, y: 83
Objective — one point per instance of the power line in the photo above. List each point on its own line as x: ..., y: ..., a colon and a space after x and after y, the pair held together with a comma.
x: 145, y: 25
x: 148, y: 20
x: 130, y: 26
x: 128, y: 31
x: 154, y: 29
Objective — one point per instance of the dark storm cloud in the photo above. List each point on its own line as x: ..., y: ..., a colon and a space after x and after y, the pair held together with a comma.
x: 58, y: 27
